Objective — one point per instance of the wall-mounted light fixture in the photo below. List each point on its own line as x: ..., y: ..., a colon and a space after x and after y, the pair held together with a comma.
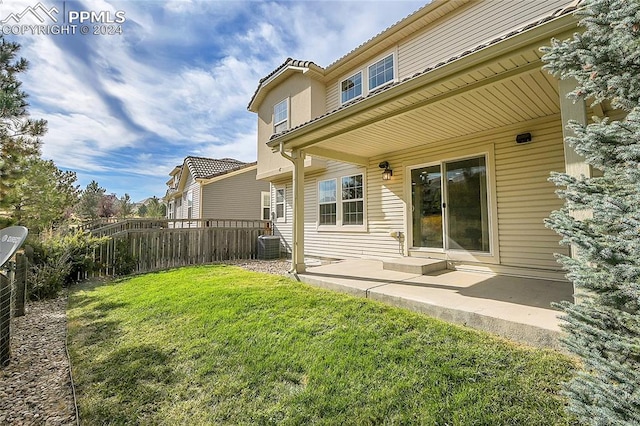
x: 523, y: 138
x: 387, y: 172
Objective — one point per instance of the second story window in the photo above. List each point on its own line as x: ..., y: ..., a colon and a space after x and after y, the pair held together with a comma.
x: 351, y: 87
x: 381, y: 72
x: 281, y: 116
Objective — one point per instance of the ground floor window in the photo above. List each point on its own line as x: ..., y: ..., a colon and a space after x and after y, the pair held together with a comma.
x: 343, y: 205
x: 327, y: 202
x: 280, y: 204
x: 266, y: 205
x: 450, y: 205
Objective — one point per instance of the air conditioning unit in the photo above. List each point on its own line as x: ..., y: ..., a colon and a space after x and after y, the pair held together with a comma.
x: 268, y: 247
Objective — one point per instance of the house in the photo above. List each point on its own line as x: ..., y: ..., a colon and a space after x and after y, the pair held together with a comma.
x: 207, y: 188
x: 434, y: 139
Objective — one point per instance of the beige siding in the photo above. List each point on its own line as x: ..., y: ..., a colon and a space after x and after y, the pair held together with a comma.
x: 306, y: 101
x: 234, y: 197
x: 464, y: 29
x: 524, y: 197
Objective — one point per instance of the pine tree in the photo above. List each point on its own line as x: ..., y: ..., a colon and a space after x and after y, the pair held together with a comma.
x: 19, y: 135
x: 89, y: 205
x: 603, y: 327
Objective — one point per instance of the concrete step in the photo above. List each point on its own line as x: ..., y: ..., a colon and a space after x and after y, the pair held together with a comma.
x: 413, y: 265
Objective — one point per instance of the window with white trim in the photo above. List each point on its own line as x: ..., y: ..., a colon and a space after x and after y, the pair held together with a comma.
x: 351, y: 87
x: 352, y: 200
x: 281, y: 116
x: 327, y: 202
x: 341, y: 201
x: 280, y: 203
x: 266, y: 205
x: 381, y: 72
x: 189, y: 204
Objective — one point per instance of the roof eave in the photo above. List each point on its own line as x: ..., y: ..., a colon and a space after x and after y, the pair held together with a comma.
x: 312, y: 70
x: 548, y: 29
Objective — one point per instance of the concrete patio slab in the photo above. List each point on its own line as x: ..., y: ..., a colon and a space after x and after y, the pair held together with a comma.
x: 515, y: 308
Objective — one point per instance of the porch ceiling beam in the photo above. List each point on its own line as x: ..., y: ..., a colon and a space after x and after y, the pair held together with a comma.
x: 337, y: 155
x: 526, y: 69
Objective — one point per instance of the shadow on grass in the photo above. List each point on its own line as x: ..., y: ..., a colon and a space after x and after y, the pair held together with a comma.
x: 126, y: 385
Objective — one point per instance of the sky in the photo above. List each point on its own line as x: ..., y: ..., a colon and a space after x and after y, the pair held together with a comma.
x: 162, y: 80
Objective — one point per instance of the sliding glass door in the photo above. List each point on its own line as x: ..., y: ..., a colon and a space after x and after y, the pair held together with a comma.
x: 451, y: 213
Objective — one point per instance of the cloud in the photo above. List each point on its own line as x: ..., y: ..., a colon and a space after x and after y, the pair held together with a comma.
x: 177, y: 81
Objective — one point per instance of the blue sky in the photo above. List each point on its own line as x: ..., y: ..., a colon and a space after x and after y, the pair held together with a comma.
x: 124, y: 109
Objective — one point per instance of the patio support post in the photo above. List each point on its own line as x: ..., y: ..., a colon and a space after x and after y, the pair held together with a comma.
x: 297, y: 254
x: 574, y: 163
x: 577, y: 111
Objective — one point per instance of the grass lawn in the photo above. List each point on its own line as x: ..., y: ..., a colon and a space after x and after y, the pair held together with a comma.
x: 221, y: 345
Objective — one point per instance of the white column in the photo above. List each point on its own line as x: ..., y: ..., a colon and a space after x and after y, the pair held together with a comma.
x: 297, y: 256
x: 574, y: 163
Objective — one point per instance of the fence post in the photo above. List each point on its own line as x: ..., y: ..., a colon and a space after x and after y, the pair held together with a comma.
x: 5, y: 320
x: 21, y: 284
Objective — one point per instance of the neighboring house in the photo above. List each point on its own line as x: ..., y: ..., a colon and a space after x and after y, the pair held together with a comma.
x: 435, y: 139
x: 207, y: 188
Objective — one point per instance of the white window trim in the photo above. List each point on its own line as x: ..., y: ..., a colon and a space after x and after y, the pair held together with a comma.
x: 282, y: 219
x: 287, y: 120
x: 362, y: 92
x: 190, y: 204
x: 265, y: 196
x: 365, y: 76
x: 339, y: 227
x: 331, y: 202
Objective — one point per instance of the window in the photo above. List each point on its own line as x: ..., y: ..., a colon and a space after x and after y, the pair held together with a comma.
x: 351, y: 87
x: 352, y: 200
x: 266, y: 205
x: 281, y: 116
x: 170, y: 210
x: 280, y: 197
x: 189, y: 204
x: 381, y: 72
x: 327, y: 202
x: 344, y: 205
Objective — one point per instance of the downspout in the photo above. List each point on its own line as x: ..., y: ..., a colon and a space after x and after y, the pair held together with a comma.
x: 297, y: 252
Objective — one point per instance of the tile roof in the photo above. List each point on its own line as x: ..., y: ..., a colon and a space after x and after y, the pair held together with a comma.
x: 202, y: 168
x: 557, y: 13
x: 289, y: 62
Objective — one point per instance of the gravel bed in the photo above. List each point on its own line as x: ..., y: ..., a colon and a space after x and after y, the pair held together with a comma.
x: 35, y: 388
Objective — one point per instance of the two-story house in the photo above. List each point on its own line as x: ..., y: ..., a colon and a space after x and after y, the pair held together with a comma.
x: 209, y: 188
x: 434, y: 139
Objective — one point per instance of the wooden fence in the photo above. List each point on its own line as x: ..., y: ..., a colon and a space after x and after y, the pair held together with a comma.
x: 145, y: 247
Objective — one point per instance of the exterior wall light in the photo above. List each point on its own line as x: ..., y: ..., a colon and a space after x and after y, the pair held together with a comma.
x: 387, y: 172
x: 523, y: 138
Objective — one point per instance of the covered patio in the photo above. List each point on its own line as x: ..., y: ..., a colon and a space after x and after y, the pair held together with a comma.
x: 515, y: 308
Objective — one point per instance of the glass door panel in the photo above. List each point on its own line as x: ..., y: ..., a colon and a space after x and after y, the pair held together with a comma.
x: 426, y: 202
x: 466, y: 205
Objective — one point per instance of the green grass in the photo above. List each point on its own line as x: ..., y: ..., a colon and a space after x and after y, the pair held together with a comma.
x: 220, y: 345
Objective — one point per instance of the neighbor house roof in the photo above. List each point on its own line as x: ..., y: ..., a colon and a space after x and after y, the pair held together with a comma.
x: 557, y: 13
x: 203, y: 168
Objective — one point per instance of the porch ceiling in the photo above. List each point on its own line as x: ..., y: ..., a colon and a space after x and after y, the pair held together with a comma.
x: 524, y: 97
x: 508, y: 90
